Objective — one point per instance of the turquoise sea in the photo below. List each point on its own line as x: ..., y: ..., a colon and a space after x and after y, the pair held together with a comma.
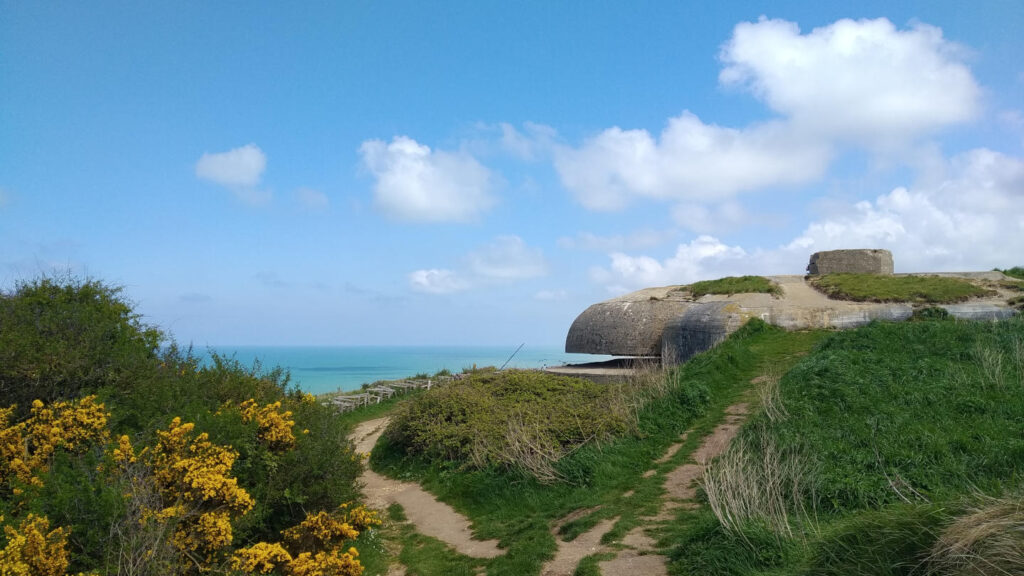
x: 319, y: 369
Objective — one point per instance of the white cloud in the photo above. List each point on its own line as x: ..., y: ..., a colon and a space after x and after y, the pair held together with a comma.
x: 437, y: 281
x: 863, y: 80
x: 237, y: 168
x: 507, y: 258
x: 310, y: 199
x: 864, y: 83
x: 702, y: 258
x: 969, y: 218
x: 690, y: 160
x: 416, y: 183
x: 533, y: 142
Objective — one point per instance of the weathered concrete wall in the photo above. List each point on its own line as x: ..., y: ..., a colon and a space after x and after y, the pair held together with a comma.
x: 699, y: 329
x: 630, y: 325
x: 851, y: 262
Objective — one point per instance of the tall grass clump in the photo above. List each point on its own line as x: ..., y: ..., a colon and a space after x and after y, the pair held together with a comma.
x: 986, y: 540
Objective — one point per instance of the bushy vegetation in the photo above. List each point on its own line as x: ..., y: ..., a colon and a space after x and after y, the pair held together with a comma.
x: 59, y: 337
x: 892, y: 449
x: 1015, y: 272
x: 528, y: 420
x: 733, y: 285
x: 912, y: 289
x: 123, y: 457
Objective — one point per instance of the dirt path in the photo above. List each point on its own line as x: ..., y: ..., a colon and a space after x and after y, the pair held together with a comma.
x: 569, y: 554
x: 431, y: 517
x: 638, y: 553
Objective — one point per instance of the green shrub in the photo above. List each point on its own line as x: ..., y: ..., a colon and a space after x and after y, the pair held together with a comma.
x: 518, y: 419
x: 913, y: 289
x: 63, y: 337
x: 733, y: 285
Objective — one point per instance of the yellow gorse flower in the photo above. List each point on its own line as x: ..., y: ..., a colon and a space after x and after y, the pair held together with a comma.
x: 27, y: 447
x: 274, y: 428
x: 260, y: 558
x: 34, y: 550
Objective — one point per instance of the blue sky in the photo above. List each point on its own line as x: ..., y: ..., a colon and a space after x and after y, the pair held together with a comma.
x: 480, y: 172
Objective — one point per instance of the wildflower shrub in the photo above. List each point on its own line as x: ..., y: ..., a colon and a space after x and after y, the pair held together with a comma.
x: 151, y: 463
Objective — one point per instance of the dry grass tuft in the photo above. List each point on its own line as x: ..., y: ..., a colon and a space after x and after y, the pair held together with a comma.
x: 988, y: 540
x: 756, y: 484
x: 771, y: 398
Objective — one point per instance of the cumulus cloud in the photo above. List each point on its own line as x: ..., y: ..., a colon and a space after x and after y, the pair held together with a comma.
x: 415, y: 183
x: 240, y: 167
x: 690, y: 160
x: 862, y: 80
x: 969, y: 218
x: 506, y: 259
x: 238, y: 170
x: 437, y: 281
x: 313, y: 200
x: 703, y: 257
x: 863, y: 83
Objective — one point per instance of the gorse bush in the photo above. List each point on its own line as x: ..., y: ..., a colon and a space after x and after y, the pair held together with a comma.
x: 167, y: 466
x: 524, y: 420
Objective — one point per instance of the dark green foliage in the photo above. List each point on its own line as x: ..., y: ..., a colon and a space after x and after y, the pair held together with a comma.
x: 733, y: 285
x: 77, y: 495
x: 913, y: 289
x: 63, y: 337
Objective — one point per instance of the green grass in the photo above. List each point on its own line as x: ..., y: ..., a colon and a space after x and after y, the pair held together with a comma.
x: 899, y: 426
x: 518, y: 511
x: 733, y: 285
x: 912, y: 289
